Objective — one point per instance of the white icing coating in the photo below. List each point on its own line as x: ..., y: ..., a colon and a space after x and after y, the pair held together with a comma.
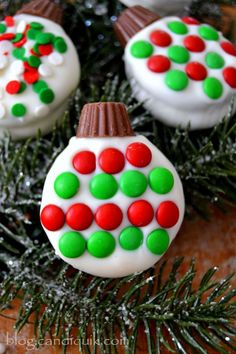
x: 41, y: 111
x: 162, y: 7
x: 2, y: 110
x: 120, y: 262
x: 63, y: 82
x: 3, y: 62
x: 191, y: 105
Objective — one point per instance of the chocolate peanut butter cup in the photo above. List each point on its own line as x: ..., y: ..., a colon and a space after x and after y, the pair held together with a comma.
x: 43, y: 8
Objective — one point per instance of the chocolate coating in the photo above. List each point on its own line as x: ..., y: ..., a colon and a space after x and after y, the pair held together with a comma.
x: 43, y: 8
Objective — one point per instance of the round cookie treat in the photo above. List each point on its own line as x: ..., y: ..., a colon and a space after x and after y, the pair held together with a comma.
x: 184, y: 72
x: 39, y: 69
x: 112, y: 203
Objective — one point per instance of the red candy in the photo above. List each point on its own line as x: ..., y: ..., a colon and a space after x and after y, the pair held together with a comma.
x: 31, y: 76
x: 45, y: 49
x: 194, y: 44
x: 229, y: 48
x: 84, y: 162
x: 52, y: 217
x: 7, y: 36
x: 158, y: 63
x: 28, y: 67
x: 108, y: 216
x: 79, y: 217
x: 196, y: 71
x: 190, y: 21
x: 13, y: 87
x: 138, y: 154
x: 140, y: 213
x: 20, y: 43
x: 9, y: 21
x: 161, y: 38
x: 111, y: 160
x: 167, y: 214
x: 229, y: 74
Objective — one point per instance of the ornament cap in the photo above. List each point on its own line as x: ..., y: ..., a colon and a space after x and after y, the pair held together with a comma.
x: 43, y: 8
x: 104, y: 119
x: 131, y: 21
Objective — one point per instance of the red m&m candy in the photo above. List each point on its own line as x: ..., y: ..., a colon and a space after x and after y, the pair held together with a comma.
x: 84, y: 162
x: 229, y: 74
x: 9, y: 21
x: 52, y: 217
x: 31, y: 76
x: 229, y: 48
x: 108, y: 216
x: 190, y: 21
x: 167, y: 214
x: 13, y: 87
x: 79, y: 217
x: 161, y: 38
x: 138, y: 154
x: 158, y: 63
x: 140, y: 213
x: 194, y: 44
x: 45, y: 49
x: 111, y: 160
x: 196, y: 71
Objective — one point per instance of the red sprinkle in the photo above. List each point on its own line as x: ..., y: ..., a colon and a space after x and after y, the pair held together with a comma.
x: 28, y: 67
x: 26, y: 29
x: 84, y: 162
x: 7, y: 36
x: 45, y: 49
x: 79, y: 217
x: 9, y: 21
x: 167, y: 214
x: 20, y: 43
x: 111, y: 160
x: 190, y: 21
x: 31, y: 76
x: 161, y: 38
x: 229, y: 48
x: 13, y: 87
x: 138, y: 154
x: 35, y: 54
x: 230, y: 76
x: 196, y: 71
x: 140, y: 213
x: 158, y: 64
x: 52, y: 217
x: 108, y: 216
x: 194, y: 44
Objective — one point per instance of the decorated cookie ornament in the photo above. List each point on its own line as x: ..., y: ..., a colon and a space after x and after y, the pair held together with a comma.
x: 39, y: 69
x: 112, y: 203
x: 183, y: 71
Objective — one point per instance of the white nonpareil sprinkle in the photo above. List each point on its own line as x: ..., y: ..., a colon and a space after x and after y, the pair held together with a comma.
x: 55, y: 59
x: 45, y: 70
x: 21, y: 26
x: 3, y: 62
x: 41, y: 111
x: 17, y: 67
x: 2, y: 111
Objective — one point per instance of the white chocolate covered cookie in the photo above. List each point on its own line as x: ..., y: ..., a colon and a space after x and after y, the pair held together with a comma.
x: 112, y: 202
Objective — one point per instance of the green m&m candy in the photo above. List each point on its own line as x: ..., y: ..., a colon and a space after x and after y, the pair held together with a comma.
x: 209, y: 33
x: 46, y: 95
x: 66, y: 185
x: 178, y: 54
x: 36, y: 25
x: 131, y: 238
x: 18, y: 53
x: 178, y: 27
x: 39, y: 85
x: 214, y: 60
x: 103, y: 186
x: 133, y: 183
x: 44, y: 37
x: 101, y: 244
x: 72, y: 244
x: 176, y: 80
x: 161, y: 180
x: 141, y: 49
x: 34, y: 61
x: 158, y: 241
x: 3, y: 28
x: 18, y: 110
x: 213, y: 88
x: 60, y: 45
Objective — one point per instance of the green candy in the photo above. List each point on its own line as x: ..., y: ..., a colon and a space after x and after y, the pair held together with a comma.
x: 214, y: 60
x: 39, y: 85
x: 72, y: 244
x: 209, y: 33
x: 101, y: 244
x: 18, y: 110
x: 66, y: 185
x: 34, y: 61
x: 22, y: 87
x: 36, y: 48
x: 176, y: 80
x: 158, y: 241
x: 178, y: 54
x: 32, y: 33
x: 44, y: 38
x: 131, y: 238
x: 213, y: 88
x: 60, y: 45
x: 178, y: 27
x: 141, y: 49
x: 17, y: 37
x: 3, y: 28
x: 19, y: 53
x: 133, y: 183
x: 103, y: 186
x: 161, y: 180
x: 36, y: 25
x: 46, y: 95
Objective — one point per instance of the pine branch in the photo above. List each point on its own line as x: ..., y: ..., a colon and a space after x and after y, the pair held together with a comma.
x: 173, y: 313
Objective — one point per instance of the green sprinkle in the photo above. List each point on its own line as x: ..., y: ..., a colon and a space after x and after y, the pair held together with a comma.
x: 39, y: 86
x: 131, y: 238
x: 178, y: 27
x: 141, y: 49
x: 46, y: 95
x: 60, y: 45
x: 36, y: 25
x: 158, y: 241
x: 17, y: 37
x: 209, y: 33
x: 72, y: 244
x: 176, y: 80
x: 178, y: 54
x: 32, y: 34
x: 36, y: 48
x: 133, y: 183
x: 101, y: 244
x: 66, y: 185
x: 103, y: 186
x: 44, y: 38
x: 34, y: 61
x: 3, y: 28
x: 19, y: 53
x: 161, y: 180
x: 213, y: 88
x: 18, y: 110
x: 215, y: 60
x: 22, y: 87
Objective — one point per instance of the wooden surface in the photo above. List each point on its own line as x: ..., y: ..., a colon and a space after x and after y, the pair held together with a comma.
x: 210, y: 243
